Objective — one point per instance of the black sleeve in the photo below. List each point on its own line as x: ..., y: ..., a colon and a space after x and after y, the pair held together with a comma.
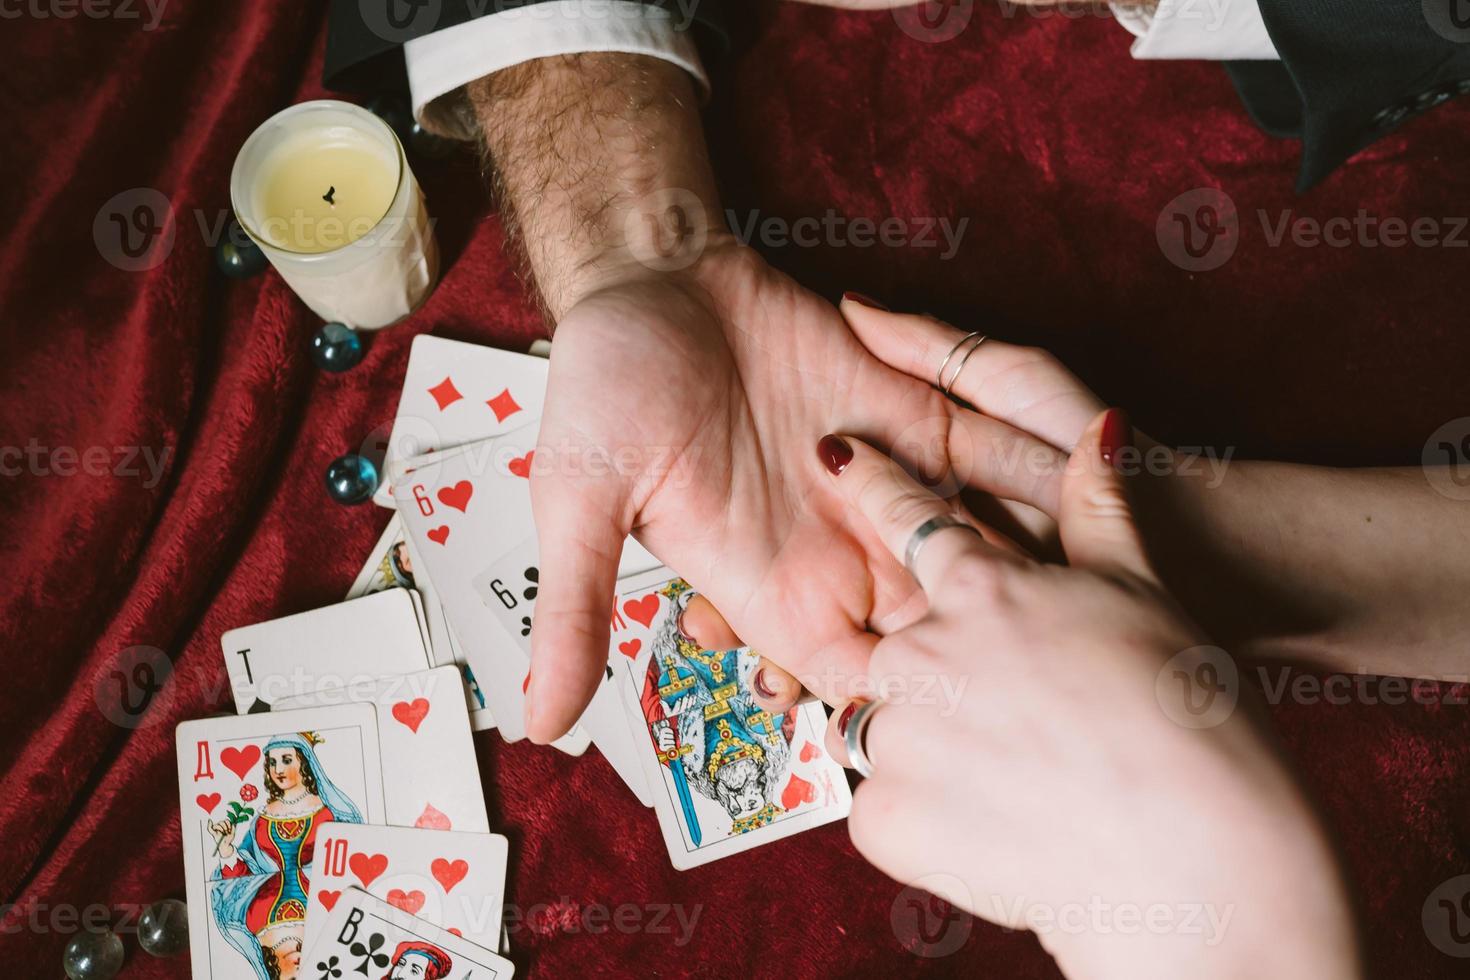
x: 1353, y: 70
x: 365, y: 37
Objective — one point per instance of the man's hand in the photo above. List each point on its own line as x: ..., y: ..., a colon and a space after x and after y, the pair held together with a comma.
x: 689, y: 385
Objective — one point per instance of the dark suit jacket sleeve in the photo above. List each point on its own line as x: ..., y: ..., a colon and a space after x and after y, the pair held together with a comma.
x: 365, y: 37
x: 1353, y: 70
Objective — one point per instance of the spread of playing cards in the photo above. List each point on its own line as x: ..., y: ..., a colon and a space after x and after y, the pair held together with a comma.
x: 337, y: 824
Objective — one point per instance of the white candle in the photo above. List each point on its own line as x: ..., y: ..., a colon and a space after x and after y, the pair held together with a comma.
x: 326, y: 192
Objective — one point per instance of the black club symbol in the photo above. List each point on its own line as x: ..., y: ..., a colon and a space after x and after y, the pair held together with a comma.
x: 370, y: 953
x: 525, y: 625
x: 533, y: 575
x: 329, y: 969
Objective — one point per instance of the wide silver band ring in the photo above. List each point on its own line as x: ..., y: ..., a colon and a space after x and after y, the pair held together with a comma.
x: 924, y: 532
x: 856, y: 737
x: 948, y: 386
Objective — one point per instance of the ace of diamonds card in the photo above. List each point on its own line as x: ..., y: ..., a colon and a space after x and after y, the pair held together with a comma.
x: 253, y: 793
x: 726, y: 775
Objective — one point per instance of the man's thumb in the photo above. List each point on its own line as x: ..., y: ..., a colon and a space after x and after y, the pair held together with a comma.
x: 1096, y: 519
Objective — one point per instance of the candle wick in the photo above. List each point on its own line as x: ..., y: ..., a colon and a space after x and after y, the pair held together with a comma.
x: 331, y: 193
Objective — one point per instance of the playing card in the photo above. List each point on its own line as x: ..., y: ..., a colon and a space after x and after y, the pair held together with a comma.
x: 456, y: 393
x: 453, y: 880
x: 392, y: 565
x: 365, y: 935
x: 431, y: 777
x: 375, y: 636
x: 725, y: 774
x: 254, y: 792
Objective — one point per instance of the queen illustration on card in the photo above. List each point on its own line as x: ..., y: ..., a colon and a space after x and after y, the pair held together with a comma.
x: 712, y: 737
x: 258, y: 888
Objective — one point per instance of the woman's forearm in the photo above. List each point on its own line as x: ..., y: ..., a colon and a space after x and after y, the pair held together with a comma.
x: 1364, y: 570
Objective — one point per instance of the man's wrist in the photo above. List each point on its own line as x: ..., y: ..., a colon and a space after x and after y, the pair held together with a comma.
x: 600, y: 169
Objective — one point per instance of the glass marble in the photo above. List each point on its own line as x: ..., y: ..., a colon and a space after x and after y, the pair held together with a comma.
x: 351, y: 479
x: 336, y: 347
x: 163, y: 928
x: 93, y: 956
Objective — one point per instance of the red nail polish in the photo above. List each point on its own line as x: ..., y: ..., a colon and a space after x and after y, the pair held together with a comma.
x: 526, y: 684
x: 862, y: 300
x: 1117, y: 433
x: 835, y: 453
x: 845, y: 717
x: 761, y: 687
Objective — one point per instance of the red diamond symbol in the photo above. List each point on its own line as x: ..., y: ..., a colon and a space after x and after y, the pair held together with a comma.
x: 445, y: 393
x: 503, y: 405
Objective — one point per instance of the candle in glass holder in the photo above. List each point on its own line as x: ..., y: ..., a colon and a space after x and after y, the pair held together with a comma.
x: 325, y: 190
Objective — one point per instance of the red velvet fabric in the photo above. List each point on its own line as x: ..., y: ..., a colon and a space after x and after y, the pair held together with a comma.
x: 1062, y: 152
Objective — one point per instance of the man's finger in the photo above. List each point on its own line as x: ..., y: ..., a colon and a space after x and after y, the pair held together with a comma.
x: 1096, y: 521
x: 581, y: 530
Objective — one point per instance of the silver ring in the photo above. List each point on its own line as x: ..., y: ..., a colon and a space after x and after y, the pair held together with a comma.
x: 924, y: 532
x: 856, y: 736
x: 939, y: 378
x: 960, y: 367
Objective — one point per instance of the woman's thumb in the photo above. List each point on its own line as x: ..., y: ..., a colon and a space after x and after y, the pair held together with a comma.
x: 1096, y: 518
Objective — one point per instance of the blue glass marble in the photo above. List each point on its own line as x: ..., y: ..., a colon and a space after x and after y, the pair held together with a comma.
x: 336, y: 348
x: 351, y: 479
x: 163, y: 928
x: 93, y: 956
x: 395, y: 111
x: 237, y: 255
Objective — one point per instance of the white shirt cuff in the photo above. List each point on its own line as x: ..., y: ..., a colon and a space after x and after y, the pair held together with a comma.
x: 1208, y: 30
x: 441, y: 62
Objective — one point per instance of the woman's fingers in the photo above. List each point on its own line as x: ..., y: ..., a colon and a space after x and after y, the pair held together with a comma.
x: 774, y: 688
x: 1023, y: 386
x: 896, y: 507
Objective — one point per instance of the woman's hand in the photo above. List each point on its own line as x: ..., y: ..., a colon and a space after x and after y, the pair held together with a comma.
x: 1051, y: 787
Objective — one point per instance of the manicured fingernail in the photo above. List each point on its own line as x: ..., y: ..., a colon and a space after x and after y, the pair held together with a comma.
x: 761, y: 687
x: 845, y: 717
x: 1117, y: 433
x: 526, y: 684
x: 862, y: 300
x: 835, y: 453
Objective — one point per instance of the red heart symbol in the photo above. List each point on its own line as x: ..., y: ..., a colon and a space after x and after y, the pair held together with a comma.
x: 239, y: 761
x: 797, y: 792
x: 410, y: 902
x: 809, y: 751
x: 432, y: 819
x: 207, y: 801
x: 522, y: 467
x: 630, y: 648
x: 329, y: 899
x: 367, y: 867
x: 642, y: 610
x: 439, y: 535
x: 411, y: 713
x: 457, y: 496
x: 449, y: 873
